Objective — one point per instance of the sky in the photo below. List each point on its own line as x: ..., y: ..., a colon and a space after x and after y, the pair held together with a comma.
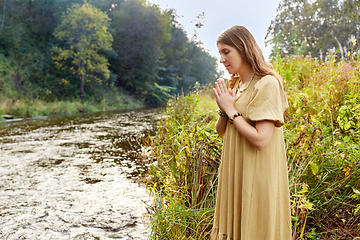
x: 255, y: 15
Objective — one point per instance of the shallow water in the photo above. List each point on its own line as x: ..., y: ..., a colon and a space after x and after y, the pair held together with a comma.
x: 73, y: 177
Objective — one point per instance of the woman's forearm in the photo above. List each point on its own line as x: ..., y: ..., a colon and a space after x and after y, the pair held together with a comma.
x: 259, y: 136
x: 220, y: 126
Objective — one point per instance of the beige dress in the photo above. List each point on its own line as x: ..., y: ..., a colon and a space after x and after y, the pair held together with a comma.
x: 253, y: 201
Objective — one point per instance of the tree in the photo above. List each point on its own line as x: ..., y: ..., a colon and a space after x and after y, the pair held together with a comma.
x: 315, y: 27
x: 25, y: 50
x: 184, y: 62
x: 3, y: 18
x: 85, y: 31
x: 140, y: 31
x: 50, y: 49
x: 174, y: 63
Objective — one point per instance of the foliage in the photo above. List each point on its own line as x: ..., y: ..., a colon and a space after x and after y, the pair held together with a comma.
x: 184, y: 176
x: 22, y: 52
x: 315, y: 27
x: 85, y: 30
x: 322, y: 134
x: 28, y: 38
x: 184, y: 62
x: 39, y: 108
x: 139, y: 32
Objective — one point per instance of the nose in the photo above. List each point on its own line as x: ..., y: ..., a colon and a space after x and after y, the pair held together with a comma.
x: 222, y: 59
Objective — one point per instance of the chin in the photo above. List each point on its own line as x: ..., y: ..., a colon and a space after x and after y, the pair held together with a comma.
x: 231, y: 71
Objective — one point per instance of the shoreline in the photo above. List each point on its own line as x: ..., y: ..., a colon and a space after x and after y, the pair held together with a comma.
x: 22, y: 109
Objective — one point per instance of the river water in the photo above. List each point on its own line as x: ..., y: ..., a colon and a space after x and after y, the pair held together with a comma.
x: 74, y: 177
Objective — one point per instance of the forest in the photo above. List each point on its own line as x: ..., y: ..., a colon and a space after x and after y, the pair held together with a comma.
x: 109, y: 51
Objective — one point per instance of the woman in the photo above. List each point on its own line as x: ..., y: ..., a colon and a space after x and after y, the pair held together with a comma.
x: 253, y: 201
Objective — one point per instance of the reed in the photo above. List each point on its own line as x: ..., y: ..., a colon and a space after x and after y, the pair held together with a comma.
x: 186, y: 155
x: 322, y: 135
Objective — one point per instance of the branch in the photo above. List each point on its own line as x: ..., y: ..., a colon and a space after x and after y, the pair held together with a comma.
x: 2, y: 23
x: 341, y: 51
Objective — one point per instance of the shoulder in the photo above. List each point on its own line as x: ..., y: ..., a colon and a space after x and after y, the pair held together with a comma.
x: 268, y: 82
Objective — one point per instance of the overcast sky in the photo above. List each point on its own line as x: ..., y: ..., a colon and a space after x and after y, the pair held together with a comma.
x: 220, y: 15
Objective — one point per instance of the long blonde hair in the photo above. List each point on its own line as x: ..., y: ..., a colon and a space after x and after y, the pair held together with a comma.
x: 241, y: 39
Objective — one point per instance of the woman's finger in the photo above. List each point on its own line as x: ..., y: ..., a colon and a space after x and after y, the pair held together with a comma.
x: 218, y: 86
x: 222, y: 86
x: 215, y: 93
x: 231, y: 92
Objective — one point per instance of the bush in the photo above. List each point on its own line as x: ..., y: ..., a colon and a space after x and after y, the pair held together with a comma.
x: 186, y: 155
x: 322, y: 136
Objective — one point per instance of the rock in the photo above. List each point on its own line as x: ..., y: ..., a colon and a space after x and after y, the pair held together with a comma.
x: 83, y: 110
x: 8, y: 116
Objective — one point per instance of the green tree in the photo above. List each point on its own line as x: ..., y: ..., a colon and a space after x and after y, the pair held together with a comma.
x: 315, y: 27
x: 184, y: 62
x: 85, y: 31
x: 174, y: 64
x: 24, y: 51
x: 140, y: 31
x: 152, y: 57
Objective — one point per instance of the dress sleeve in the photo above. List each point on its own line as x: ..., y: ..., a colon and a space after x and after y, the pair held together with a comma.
x: 268, y: 101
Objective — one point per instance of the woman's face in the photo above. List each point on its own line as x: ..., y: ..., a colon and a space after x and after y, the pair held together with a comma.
x: 230, y: 57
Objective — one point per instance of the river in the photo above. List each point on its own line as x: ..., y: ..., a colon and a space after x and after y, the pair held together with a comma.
x: 75, y: 177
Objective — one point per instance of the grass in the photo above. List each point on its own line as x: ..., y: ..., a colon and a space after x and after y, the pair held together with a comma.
x: 22, y: 108
x: 322, y: 134
x: 186, y: 157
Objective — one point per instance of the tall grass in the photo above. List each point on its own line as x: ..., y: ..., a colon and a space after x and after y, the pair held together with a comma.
x: 24, y: 107
x: 186, y: 154
x: 322, y: 134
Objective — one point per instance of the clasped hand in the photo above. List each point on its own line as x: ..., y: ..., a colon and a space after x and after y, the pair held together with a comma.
x: 225, y: 98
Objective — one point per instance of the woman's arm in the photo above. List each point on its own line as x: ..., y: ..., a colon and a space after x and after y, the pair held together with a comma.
x: 259, y: 136
x: 220, y: 126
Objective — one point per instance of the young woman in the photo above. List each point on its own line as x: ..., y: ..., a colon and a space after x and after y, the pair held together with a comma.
x: 253, y: 201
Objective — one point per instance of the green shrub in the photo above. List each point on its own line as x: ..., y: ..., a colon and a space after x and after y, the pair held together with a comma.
x: 322, y: 135
x: 186, y: 155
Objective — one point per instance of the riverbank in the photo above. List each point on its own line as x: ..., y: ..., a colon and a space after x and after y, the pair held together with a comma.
x: 322, y: 134
x: 26, y: 108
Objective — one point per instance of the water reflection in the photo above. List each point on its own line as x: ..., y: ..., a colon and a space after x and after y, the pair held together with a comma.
x: 72, y: 177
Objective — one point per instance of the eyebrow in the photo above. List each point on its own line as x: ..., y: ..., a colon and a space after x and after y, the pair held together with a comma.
x: 224, y: 49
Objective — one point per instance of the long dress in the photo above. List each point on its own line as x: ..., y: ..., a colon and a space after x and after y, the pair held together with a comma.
x: 253, y: 200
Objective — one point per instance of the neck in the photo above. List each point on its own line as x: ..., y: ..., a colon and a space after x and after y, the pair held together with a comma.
x: 245, y: 74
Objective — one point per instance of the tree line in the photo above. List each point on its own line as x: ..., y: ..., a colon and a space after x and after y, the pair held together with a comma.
x: 316, y: 27
x: 66, y: 49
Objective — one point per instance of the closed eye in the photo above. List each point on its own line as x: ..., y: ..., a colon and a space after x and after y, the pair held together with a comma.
x: 224, y: 51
